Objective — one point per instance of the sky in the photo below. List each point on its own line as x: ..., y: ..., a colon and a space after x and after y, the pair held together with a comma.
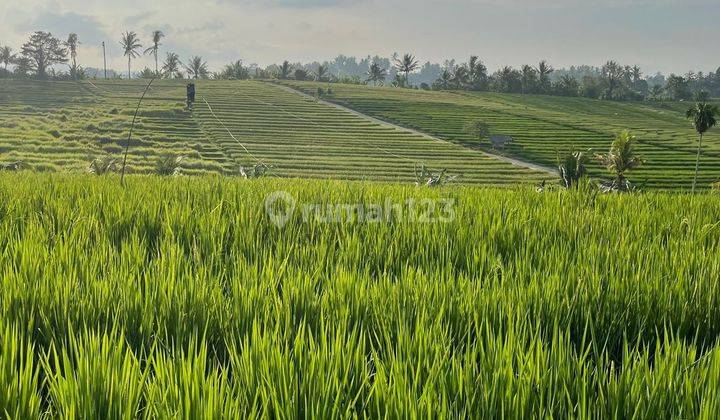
x: 658, y: 35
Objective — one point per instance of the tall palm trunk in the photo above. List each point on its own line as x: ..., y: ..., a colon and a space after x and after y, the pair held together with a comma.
x: 128, y: 68
x: 156, y: 63
x: 697, y: 163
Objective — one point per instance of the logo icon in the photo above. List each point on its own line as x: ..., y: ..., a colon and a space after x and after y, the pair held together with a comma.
x: 279, y: 206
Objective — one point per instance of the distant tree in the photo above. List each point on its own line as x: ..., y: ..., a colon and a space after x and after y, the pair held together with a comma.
x: 196, y: 68
x: 234, y: 71
x: 321, y: 72
x: 477, y: 129
x: 23, y: 67
x: 567, y: 86
x: 131, y: 45
x: 656, y: 93
x: 42, y: 51
x: 301, y: 74
x: 376, y: 74
x: 543, y: 71
x: 72, y: 44
x: 406, y: 64
x: 460, y: 78
x: 508, y: 80
x: 529, y: 79
x: 171, y: 66
x: 620, y: 159
x: 444, y: 81
x: 678, y: 87
x: 147, y: 73
x: 704, y: 117
x: 285, y: 69
x: 612, y: 75
x: 478, y: 74
x: 157, y: 36
x: 7, y: 56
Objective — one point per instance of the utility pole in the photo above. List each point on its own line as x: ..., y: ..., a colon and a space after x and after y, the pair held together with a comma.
x: 104, y: 60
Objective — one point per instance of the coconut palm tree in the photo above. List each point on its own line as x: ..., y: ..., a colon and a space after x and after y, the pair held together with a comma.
x: 131, y: 45
x: 72, y: 44
x: 620, y: 159
x: 196, y: 68
x: 704, y: 117
x: 6, y: 56
x: 407, y: 64
x: 376, y: 74
x: 171, y: 66
x: 157, y: 36
x: 572, y: 168
x: 285, y: 69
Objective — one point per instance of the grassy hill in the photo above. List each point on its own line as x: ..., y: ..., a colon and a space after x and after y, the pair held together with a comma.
x: 542, y: 126
x: 61, y: 126
x: 180, y: 296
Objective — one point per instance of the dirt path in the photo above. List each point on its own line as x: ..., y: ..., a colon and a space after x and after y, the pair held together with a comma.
x: 513, y: 161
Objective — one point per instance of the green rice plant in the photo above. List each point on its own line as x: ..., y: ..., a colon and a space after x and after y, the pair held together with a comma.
x: 180, y: 298
x: 93, y: 375
x: 19, y: 383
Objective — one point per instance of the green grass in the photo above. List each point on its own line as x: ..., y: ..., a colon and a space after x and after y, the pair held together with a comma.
x: 179, y: 298
x: 544, y: 126
x: 62, y: 126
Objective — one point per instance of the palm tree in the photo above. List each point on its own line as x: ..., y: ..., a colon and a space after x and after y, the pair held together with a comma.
x: 131, y: 45
x: 407, y: 64
x: 196, y: 68
x: 171, y: 66
x: 6, y: 56
x: 573, y: 168
x: 376, y: 73
x: 157, y: 36
x: 544, y: 69
x: 620, y: 159
x: 72, y: 46
x: 285, y: 69
x: 321, y: 72
x: 704, y: 117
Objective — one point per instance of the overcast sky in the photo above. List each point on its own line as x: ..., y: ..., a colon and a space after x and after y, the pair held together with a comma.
x: 658, y: 35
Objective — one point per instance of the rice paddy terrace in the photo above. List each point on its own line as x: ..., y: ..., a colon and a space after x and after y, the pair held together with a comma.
x: 62, y: 126
x: 543, y: 126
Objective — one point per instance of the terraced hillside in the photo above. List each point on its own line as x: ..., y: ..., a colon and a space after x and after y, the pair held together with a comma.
x: 542, y: 126
x: 301, y: 137
x: 60, y: 126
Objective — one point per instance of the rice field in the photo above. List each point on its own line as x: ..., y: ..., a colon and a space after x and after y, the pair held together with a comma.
x: 62, y: 126
x: 545, y: 126
x: 178, y: 298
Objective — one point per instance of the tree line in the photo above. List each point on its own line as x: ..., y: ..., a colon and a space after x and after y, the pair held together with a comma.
x: 40, y: 55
